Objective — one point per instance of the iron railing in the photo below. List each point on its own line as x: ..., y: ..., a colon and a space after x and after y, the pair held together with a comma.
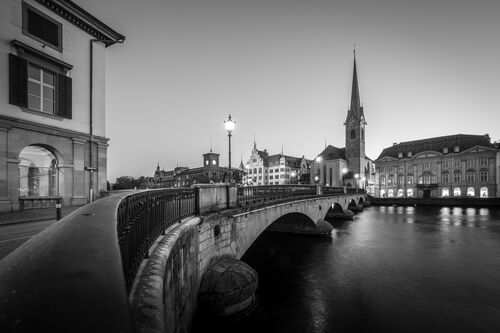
x: 255, y: 195
x: 143, y: 216
x: 329, y: 190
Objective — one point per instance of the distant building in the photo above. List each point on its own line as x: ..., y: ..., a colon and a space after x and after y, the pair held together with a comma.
x: 277, y: 169
x: 210, y: 172
x: 347, y: 166
x: 53, y: 143
x: 448, y: 166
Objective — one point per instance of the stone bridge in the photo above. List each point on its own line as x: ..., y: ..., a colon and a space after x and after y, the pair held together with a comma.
x: 146, y: 261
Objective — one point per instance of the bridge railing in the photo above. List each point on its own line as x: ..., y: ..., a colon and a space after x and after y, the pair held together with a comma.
x: 254, y: 195
x: 143, y: 216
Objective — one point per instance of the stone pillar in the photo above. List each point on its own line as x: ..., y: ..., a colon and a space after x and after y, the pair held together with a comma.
x: 13, y: 182
x: 102, y: 167
x: 66, y: 184
x: 78, y: 197
x: 5, y: 204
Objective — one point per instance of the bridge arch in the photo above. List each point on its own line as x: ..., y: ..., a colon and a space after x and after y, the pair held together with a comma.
x: 360, y: 201
x: 352, y: 204
x: 293, y: 222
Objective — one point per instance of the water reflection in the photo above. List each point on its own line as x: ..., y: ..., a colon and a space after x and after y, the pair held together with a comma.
x: 392, y: 269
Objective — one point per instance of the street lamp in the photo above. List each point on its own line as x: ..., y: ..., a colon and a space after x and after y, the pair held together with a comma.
x: 229, y: 124
x: 292, y: 175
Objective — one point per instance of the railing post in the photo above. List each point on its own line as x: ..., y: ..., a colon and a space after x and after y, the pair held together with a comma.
x: 179, y: 206
x: 197, y: 201
x: 319, y: 190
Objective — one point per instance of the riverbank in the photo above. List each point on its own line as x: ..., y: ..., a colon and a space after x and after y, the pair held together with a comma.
x: 447, y: 202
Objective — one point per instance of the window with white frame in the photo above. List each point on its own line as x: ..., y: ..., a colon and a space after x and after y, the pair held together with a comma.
x: 410, y: 180
x: 457, y: 177
x: 470, y: 162
x: 483, y: 176
x: 483, y: 161
x: 471, y: 177
x: 41, y: 89
x: 445, y: 178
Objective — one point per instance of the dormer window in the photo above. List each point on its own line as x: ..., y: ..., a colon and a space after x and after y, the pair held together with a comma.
x: 409, y: 154
x: 445, y: 150
x: 456, y: 149
x: 400, y: 155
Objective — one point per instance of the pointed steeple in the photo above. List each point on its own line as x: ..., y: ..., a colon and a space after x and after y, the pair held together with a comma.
x: 355, y: 111
x: 355, y: 102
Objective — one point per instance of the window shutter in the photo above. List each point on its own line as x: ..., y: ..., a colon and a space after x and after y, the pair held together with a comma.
x: 64, y: 97
x: 18, y: 81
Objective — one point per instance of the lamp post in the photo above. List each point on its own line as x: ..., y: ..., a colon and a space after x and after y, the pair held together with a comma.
x: 357, y: 177
x: 229, y: 124
x: 292, y: 176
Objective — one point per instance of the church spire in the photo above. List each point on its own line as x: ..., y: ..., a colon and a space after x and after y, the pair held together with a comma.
x: 355, y: 102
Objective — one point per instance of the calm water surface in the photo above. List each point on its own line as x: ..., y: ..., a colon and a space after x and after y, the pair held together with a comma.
x: 392, y: 269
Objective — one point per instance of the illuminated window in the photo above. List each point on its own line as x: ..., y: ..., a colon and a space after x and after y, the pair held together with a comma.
x: 391, y: 193
x: 400, y: 193
x: 470, y: 192
x: 483, y: 192
x: 409, y: 192
x: 382, y: 193
x: 445, y: 192
x: 457, y: 192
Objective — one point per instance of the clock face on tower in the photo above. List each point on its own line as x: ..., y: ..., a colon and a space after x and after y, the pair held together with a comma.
x: 206, y: 162
x: 213, y: 162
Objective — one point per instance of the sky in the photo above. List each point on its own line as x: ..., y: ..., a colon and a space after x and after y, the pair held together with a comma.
x: 283, y: 70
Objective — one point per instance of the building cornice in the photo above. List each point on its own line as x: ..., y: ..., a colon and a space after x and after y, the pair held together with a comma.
x: 10, y: 122
x: 83, y: 20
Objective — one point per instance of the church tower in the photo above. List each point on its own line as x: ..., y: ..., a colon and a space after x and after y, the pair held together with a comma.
x: 355, y: 129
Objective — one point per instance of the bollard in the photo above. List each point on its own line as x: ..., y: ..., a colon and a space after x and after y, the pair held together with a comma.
x: 58, y: 210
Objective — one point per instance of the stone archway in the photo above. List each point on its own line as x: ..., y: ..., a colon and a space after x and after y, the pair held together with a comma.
x: 38, y: 172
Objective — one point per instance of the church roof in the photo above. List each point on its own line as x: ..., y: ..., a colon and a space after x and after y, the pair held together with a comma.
x: 332, y: 153
x: 436, y: 144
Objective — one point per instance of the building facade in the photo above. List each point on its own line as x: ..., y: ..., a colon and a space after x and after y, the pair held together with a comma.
x: 449, y: 166
x: 347, y: 166
x: 53, y: 143
x: 210, y: 172
x: 277, y: 169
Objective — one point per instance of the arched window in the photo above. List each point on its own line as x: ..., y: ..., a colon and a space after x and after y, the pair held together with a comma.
x: 483, y: 192
x: 470, y: 192
x: 382, y: 193
x: 353, y: 134
x: 400, y: 193
x: 409, y: 192
x: 445, y: 192
x: 457, y: 192
x: 391, y: 193
x: 38, y: 173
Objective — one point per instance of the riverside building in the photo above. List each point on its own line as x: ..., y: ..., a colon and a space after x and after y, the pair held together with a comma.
x: 53, y: 144
x: 448, y: 166
x: 276, y: 169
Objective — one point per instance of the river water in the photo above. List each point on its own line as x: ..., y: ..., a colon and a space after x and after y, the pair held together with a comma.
x: 392, y: 269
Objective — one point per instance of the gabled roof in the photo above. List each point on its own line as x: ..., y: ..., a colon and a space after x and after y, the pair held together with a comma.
x: 264, y: 156
x: 436, y: 144
x: 332, y: 153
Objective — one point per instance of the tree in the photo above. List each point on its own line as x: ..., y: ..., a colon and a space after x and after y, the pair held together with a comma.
x: 125, y: 182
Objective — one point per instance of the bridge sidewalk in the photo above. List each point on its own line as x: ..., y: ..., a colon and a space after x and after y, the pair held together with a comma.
x: 33, y: 215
